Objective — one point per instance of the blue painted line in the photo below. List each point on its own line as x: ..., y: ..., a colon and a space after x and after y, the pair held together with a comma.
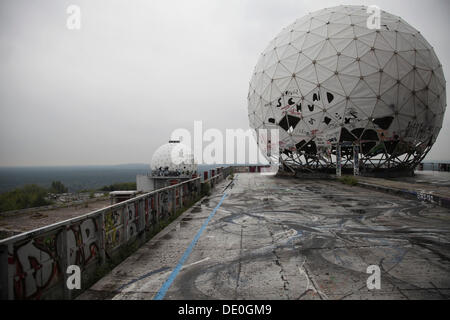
x: 143, y: 277
x: 162, y: 291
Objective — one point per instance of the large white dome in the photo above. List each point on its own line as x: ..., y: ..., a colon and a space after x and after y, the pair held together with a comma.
x: 173, y: 159
x: 327, y: 79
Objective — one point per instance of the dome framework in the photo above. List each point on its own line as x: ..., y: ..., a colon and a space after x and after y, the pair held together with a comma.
x: 328, y: 82
x: 173, y: 159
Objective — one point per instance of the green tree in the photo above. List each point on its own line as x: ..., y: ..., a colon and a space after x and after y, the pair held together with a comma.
x: 29, y: 196
x: 120, y: 186
x: 58, y: 187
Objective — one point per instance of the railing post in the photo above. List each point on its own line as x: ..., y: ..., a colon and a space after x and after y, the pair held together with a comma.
x: 101, y: 235
x: 141, y: 208
x: 169, y: 203
x: 4, y: 268
x: 181, y: 195
x: 65, y: 257
x: 157, y: 207
x: 197, y: 191
x: 165, y: 204
x: 126, y: 222
x: 174, y: 199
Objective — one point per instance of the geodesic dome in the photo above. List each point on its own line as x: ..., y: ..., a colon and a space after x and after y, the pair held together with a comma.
x: 327, y: 80
x: 173, y: 159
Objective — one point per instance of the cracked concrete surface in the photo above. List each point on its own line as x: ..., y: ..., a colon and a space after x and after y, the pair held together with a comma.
x: 284, y: 238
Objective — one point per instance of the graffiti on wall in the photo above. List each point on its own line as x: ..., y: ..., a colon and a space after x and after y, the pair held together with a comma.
x: 165, y: 204
x: 83, y: 242
x: 113, y: 228
x: 37, y: 261
x: 36, y: 264
x: 132, y: 213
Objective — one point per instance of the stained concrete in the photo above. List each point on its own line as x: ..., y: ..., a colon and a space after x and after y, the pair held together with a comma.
x: 283, y: 238
x: 430, y: 185
x: 26, y: 221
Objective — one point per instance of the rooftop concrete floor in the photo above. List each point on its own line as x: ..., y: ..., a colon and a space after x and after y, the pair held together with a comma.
x: 284, y: 238
x: 437, y: 178
x: 27, y: 221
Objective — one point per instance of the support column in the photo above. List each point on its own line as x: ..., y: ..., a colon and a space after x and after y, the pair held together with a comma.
x: 356, y: 160
x: 338, y: 160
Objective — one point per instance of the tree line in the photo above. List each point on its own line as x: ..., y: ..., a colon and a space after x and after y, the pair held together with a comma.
x: 32, y: 195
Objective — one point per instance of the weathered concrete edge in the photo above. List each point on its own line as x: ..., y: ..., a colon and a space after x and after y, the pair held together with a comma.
x: 410, y: 194
x: 157, y: 237
x: 93, y: 269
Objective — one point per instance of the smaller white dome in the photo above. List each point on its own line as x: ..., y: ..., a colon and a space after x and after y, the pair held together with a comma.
x: 173, y: 159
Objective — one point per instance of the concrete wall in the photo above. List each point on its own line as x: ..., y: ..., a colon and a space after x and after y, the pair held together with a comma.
x: 218, y: 177
x: 33, y: 264
x: 144, y: 183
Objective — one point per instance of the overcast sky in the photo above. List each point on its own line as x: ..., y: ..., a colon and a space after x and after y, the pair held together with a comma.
x: 113, y: 91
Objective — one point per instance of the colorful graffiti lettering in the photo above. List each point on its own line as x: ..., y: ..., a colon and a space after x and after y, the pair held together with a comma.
x: 37, y: 260
x: 36, y: 264
x: 35, y: 267
x: 113, y: 226
x: 82, y: 242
